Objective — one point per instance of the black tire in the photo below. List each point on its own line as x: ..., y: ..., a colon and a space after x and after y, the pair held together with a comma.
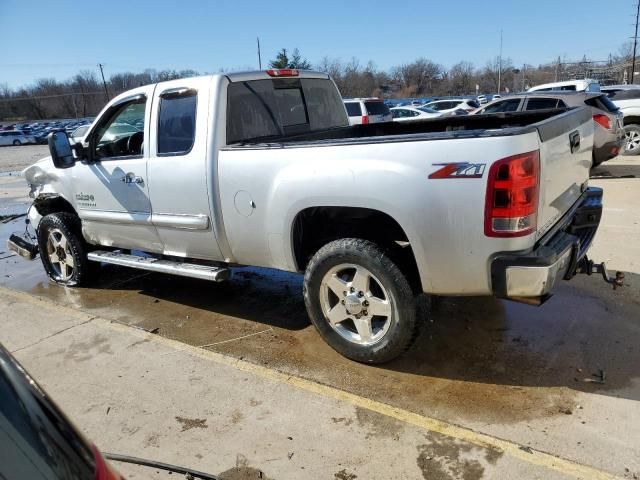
x: 404, y: 324
x: 68, y: 225
x: 17, y: 143
x: 632, y: 130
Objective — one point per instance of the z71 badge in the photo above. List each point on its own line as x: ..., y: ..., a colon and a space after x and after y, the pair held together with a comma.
x: 458, y: 170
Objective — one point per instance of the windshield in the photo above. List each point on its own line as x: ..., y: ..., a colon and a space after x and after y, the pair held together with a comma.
x: 271, y: 108
x: 427, y: 110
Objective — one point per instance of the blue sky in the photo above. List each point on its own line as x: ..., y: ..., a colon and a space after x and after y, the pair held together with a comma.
x: 43, y: 39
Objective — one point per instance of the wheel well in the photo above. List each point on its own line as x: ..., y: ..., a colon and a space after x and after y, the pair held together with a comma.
x: 46, y: 204
x: 631, y: 120
x: 316, y: 226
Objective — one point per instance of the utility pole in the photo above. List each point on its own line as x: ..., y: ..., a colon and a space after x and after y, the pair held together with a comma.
x: 259, y: 57
x: 635, y: 44
x: 557, y: 68
x: 524, y: 69
x: 106, y: 92
x: 500, y: 63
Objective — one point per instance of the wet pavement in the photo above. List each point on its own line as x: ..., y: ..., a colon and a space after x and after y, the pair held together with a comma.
x: 563, y: 377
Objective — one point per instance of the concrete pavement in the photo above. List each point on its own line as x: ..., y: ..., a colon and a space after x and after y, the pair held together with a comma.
x: 136, y: 393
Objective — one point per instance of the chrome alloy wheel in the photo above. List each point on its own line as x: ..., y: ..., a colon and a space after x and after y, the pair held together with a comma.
x: 633, y: 140
x: 356, y: 304
x: 60, y: 255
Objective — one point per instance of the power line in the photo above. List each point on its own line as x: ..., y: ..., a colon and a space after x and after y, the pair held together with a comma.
x: 40, y: 97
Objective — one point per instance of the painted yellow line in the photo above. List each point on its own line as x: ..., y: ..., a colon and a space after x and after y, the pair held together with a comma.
x: 512, y: 449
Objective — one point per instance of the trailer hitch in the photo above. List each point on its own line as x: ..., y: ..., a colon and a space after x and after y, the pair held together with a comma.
x: 586, y: 266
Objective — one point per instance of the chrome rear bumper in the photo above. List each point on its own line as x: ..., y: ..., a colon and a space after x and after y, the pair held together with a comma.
x: 530, y: 276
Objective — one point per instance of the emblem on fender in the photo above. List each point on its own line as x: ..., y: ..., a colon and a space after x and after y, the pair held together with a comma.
x: 458, y: 170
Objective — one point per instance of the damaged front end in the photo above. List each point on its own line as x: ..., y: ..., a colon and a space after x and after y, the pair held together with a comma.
x: 25, y: 243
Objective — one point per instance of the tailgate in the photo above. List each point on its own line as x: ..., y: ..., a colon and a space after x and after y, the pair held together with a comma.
x: 566, y: 145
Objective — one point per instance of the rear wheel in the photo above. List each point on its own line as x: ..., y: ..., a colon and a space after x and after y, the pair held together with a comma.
x: 17, y: 143
x: 632, y: 139
x: 360, y: 302
x: 63, y: 251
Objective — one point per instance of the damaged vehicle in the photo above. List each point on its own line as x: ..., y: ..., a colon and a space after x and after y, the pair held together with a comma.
x: 263, y: 169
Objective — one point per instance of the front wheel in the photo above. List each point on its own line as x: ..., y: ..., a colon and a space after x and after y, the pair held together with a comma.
x: 63, y: 251
x: 17, y: 143
x: 360, y: 302
x: 632, y: 139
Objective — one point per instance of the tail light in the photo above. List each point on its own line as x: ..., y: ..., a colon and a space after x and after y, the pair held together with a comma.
x: 104, y: 471
x: 602, y: 120
x: 283, y: 72
x: 365, y: 119
x: 511, y: 208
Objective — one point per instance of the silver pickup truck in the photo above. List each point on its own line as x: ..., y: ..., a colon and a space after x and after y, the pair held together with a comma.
x: 194, y: 176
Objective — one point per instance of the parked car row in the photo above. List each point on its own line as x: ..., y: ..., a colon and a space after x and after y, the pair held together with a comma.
x: 607, y: 117
x: 37, y: 132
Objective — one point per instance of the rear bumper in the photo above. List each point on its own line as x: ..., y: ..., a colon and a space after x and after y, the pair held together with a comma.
x: 608, y: 150
x: 531, y: 276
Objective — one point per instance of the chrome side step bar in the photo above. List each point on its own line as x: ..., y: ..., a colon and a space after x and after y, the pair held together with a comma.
x: 203, y: 272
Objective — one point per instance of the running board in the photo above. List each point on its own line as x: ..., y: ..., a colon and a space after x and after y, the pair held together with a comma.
x: 203, y: 272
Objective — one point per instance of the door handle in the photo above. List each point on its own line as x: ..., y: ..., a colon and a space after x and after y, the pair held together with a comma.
x: 132, y: 178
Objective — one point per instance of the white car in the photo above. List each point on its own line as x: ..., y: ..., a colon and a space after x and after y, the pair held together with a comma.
x: 15, y: 137
x: 585, y: 85
x: 407, y: 114
x: 450, y: 105
x: 78, y: 134
x: 362, y: 111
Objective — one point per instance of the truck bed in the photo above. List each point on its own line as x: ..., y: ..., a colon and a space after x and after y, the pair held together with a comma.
x: 499, y: 124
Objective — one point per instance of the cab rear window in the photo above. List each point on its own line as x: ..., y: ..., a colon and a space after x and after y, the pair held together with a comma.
x: 260, y: 109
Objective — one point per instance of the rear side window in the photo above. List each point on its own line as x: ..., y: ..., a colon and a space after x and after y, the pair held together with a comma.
x: 603, y: 103
x: 503, y: 106
x: 567, y: 88
x: 376, y: 108
x: 353, y: 109
x: 283, y: 106
x: 177, y: 122
x: 541, y: 103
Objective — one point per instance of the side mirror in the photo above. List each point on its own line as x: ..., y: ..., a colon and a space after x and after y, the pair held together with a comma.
x: 60, y: 150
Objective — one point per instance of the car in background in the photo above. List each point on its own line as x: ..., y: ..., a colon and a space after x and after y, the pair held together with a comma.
x: 408, y: 114
x: 627, y: 99
x: 586, y: 85
x: 16, y: 138
x: 362, y: 111
x: 450, y: 105
x: 78, y: 134
x: 609, y: 132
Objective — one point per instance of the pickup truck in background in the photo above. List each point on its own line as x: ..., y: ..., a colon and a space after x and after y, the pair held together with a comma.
x: 261, y: 168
